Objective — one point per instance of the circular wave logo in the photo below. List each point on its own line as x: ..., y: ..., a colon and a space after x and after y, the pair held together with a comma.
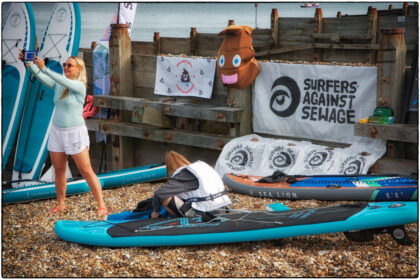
x: 317, y: 158
x: 352, y: 165
x: 239, y: 158
x: 285, y: 98
x: 281, y: 159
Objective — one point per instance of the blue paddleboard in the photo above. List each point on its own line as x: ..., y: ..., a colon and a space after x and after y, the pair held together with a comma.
x: 326, y: 187
x: 61, y: 40
x: 108, y: 180
x: 18, y: 32
x: 244, y: 226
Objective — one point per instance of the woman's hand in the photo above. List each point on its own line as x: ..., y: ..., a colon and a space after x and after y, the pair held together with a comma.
x: 21, y: 56
x: 154, y: 215
x: 39, y: 62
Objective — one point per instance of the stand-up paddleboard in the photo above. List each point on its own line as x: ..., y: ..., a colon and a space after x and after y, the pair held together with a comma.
x: 108, y: 180
x: 326, y: 187
x: 18, y: 32
x: 61, y: 40
x: 244, y: 226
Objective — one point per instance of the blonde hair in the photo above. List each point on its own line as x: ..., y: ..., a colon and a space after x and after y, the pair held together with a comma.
x: 81, y: 77
x: 174, y: 161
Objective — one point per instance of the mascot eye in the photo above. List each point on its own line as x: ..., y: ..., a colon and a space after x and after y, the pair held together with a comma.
x: 222, y: 60
x: 236, y: 60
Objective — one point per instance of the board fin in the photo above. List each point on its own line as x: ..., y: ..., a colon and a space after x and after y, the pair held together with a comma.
x: 49, y: 175
x: 277, y: 207
x: 397, y: 232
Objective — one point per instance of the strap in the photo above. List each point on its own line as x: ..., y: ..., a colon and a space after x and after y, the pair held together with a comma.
x: 207, y: 198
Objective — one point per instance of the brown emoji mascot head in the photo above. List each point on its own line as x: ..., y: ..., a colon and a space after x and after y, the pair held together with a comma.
x: 236, y: 63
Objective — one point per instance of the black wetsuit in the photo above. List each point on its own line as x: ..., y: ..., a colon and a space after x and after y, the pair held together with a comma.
x: 184, y: 181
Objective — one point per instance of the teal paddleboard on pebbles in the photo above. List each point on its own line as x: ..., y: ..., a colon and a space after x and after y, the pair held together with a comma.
x: 18, y: 32
x: 108, y: 180
x: 359, y: 222
x: 61, y: 40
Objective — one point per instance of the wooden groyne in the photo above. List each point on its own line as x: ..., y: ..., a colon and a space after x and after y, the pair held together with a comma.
x: 143, y: 126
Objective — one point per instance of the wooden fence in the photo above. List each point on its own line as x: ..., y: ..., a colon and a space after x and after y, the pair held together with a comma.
x: 144, y: 126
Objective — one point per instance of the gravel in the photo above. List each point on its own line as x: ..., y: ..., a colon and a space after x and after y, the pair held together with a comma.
x: 30, y: 247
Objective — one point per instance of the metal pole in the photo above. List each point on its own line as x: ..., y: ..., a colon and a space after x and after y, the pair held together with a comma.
x: 118, y: 14
x: 256, y: 8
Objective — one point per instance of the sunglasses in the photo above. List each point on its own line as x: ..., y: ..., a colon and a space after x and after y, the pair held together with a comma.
x: 67, y: 65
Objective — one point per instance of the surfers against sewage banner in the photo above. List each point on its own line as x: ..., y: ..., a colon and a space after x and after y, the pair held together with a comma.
x: 313, y: 101
x: 307, y: 101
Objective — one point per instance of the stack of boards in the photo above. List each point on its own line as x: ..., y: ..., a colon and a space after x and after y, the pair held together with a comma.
x: 359, y: 222
x: 28, y: 105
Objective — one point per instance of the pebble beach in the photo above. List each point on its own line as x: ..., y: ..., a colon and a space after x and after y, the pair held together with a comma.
x: 30, y: 247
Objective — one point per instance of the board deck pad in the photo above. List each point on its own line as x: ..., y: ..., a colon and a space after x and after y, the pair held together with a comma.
x: 235, y: 222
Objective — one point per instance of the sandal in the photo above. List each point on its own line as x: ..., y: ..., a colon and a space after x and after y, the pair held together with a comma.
x: 56, y: 209
x: 102, y: 211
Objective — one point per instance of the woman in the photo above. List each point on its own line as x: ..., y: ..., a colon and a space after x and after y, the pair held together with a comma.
x: 192, y: 186
x: 68, y: 135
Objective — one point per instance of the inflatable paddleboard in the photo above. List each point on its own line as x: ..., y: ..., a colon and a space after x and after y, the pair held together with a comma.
x: 327, y: 187
x: 244, y: 226
x: 108, y: 180
x: 61, y: 40
x: 18, y: 32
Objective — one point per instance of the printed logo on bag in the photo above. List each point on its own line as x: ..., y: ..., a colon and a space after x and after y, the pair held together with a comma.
x: 281, y: 158
x: 285, y: 98
x: 239, y: 158
x: 352, y: 165
x: 316, y: 158
x: 16, y: 19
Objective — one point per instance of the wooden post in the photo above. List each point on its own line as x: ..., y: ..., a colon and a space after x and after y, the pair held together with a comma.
x: 317, y: 29
x: 372, y: 30
x: 405, y: 9
x: 193, y: 41
x: 391, y: 70
x: 275, y: 27
x: 241, y: 98
x: 156, y: 43
x: 122, y: 85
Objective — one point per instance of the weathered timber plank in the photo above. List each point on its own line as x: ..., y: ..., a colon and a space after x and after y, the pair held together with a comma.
x: 261, y: 37
x: 396, y: 132
x: 147, y: 132
x: 284, y: 50
x: 144, y: 79
x: 337, y: 36
x: 142, y: 47
x: 261, y: 44
x: 174, y: 45
x: 388, y: 165
x: 144, y: 63
x: 347, y: 46
x: 261, y: 31
x: 177, y: 109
